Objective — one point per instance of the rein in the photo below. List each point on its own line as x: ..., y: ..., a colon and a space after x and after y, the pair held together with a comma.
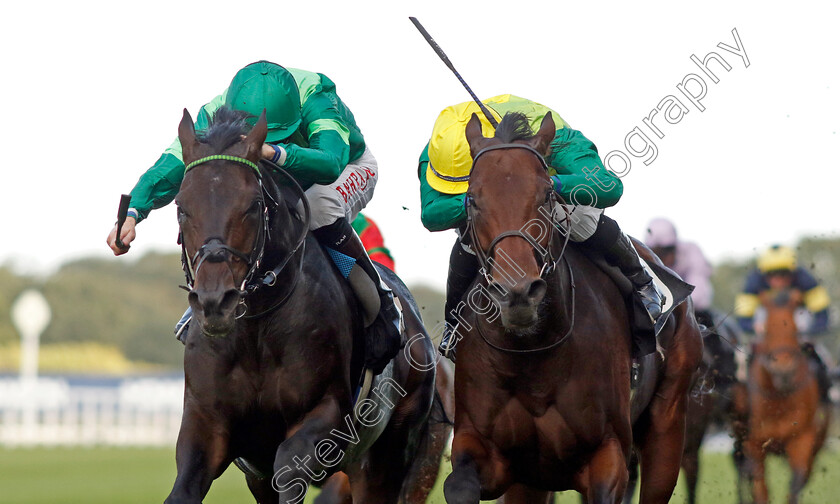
x: 215, y: 250
x: 547, y: 255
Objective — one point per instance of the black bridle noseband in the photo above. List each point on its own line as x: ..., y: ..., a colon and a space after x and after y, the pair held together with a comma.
x: 215, y: 250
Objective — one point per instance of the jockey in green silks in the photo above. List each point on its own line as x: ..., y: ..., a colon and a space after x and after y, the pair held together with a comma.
x: 312, y: 135
x: 578, y: 175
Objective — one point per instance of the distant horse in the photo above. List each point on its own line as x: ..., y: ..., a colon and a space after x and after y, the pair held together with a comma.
x: 784, y: 414
x: 542, y: 385
x: 270, y: 380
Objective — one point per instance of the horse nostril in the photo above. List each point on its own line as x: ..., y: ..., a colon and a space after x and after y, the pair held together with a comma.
x: 229, y: 300
x: 537, y: 289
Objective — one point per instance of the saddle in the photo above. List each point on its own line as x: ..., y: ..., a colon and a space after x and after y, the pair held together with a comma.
x: 645, y: 334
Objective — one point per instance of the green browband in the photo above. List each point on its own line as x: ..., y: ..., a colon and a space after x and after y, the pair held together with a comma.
x: 222, y: 157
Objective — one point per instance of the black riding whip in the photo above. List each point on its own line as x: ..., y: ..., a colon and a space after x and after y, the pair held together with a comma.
x: 122, y: 214
x: 448, y: 63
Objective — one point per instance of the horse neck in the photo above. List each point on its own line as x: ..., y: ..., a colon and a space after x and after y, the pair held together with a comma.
x: 780, y: 330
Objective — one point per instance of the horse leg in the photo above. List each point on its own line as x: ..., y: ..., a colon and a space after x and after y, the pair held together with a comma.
x: 691, y: 467
x: 309, y: 451
x: 661, y: 444
x: 521, y: 494
x: 336, y: 490
x: 426, y: 466
x: 632, y: 478
x: 800, y: 454
x: 754, y: 455
x: 201, y: 455
x: 261, y: 489
x: 607, y: 474
x: 473, y: 468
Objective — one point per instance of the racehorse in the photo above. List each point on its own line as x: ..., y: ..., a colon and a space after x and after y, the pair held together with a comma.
x: 270, y: 380
x: 542, y: 385
x: 784, y: 413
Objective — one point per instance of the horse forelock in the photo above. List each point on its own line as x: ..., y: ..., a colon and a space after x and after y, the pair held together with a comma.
x: 514, y: 126
x: 225, y: 129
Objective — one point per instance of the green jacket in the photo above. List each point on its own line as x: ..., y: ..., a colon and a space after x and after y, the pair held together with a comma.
x: 572, y: 159
x: 326, y: 141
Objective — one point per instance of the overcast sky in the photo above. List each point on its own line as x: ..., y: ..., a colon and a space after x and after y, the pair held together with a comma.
x: 93, y: 92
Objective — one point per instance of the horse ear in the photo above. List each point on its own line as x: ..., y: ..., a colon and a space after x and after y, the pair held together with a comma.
x: 474, y: 134
x: 256, y: 138
x: 545, y: 135
x: 186, y: 135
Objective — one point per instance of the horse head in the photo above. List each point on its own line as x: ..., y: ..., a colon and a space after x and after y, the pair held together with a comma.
x: 779, y: 350
x: 509, y: 184
x: 221, y: 214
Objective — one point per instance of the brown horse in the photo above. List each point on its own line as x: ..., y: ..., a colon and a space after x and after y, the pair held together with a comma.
x: 270, y: 381
x: 784, y: 413
x: 542, y: 386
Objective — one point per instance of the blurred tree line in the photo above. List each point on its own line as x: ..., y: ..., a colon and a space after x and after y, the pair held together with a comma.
x: 134, y: 304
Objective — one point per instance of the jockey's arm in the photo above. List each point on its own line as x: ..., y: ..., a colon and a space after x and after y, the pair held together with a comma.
x: 438, y: 211
x: 747, y: 302
x: 815, y: 299
x: 320, y: 163
x: 325, y: 152
x: 581, y: 174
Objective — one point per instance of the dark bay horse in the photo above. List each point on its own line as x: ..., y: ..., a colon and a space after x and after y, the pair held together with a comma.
x: 427, y: 465
x: 270, y: 381
x: 542, y: 385
x: 785, y: 415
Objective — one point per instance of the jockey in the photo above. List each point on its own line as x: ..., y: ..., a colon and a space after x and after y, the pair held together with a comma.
x: 687, y: 260
x: 372, y: 239
x: 777, y: 269
x: 578, y: 175
x: 313, y: 135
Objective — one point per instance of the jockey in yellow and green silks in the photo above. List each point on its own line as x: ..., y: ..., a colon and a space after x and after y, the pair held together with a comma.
x: 577, y: 172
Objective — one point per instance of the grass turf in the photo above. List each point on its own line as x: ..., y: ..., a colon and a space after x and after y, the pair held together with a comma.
x: 142, y: 475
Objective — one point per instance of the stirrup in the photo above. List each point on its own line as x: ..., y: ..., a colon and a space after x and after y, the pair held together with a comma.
x: 647, y: 293
x: 447, y: 347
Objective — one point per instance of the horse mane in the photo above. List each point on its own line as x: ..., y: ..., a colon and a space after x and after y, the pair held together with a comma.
x: 225, y: 129
x: 514, y: 126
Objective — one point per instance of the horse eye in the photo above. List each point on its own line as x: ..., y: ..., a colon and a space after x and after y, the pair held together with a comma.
x: 182, y: 214
x: 255, y: 207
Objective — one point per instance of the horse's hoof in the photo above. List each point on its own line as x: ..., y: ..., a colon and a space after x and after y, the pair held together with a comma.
x: 461, y: 490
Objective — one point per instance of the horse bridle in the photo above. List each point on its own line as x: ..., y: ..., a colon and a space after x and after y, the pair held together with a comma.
x: 215, y: 250
x: 548, y: 258
x: 765, y: 360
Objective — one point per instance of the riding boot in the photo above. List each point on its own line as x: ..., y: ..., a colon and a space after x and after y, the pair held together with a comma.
x: 618, y: 250
x: 821, y: 370
x: 463, y: 267
x: 383, y: 320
